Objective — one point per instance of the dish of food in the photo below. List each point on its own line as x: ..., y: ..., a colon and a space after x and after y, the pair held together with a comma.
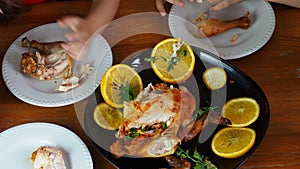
x: 237, y: 85
x: 231, y: 44
x: 45, y: 61
x: 18, y: 143
x: 156, y: 120
x: 43, y: 92
x: 48, y: 157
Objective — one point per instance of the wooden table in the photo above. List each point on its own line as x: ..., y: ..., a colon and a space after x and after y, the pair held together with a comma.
x: 273, y: 67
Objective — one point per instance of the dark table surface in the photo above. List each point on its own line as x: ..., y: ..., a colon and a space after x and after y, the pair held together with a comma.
x: 273, y: 67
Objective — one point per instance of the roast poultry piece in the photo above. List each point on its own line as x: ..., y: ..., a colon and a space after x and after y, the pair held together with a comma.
x: 45, y: 61
x: 158, y: 120
x: 152, y: 121
x: 178, y: 163
x: 206, y: 118
x: 207, y: 27
x: 46, y: 157
x: 45, y: 48
x: 198, y: 125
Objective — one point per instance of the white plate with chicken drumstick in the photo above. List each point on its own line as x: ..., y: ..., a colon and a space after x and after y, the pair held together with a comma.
x: 233, y: 43
x: 41, y: 92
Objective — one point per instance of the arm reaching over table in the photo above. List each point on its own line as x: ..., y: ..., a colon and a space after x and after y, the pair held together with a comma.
x: 101, y: 13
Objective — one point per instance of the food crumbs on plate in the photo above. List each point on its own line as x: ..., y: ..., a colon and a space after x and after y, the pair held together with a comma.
x: 234, y: 38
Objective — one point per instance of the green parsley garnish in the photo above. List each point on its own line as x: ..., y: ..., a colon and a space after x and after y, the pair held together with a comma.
x: 149, y: 59
x: 203, y: 110
x: 164, y: 125
x: 126, y: 92
x: 182, y: 51
x: 172, y: 62
x: 199, y: 161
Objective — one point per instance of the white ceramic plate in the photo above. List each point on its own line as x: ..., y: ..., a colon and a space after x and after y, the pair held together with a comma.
x: 17, y: 144
x: 256, y: 36
x: 42, y: 93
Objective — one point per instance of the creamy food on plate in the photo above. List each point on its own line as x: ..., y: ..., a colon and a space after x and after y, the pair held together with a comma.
x: 46, y: 157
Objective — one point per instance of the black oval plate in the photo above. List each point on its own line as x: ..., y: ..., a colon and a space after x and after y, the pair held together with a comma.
x: 238, y: 85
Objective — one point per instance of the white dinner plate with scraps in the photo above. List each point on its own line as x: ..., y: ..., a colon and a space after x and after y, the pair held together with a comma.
x: 250, y: 40
x: 43, y: 93
x: 18, y: 143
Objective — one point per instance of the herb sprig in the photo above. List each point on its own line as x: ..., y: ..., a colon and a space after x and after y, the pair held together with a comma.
x: 150, y: 59
x: 203, y: 110
x: 172, y: 61
x: 126, y: 92
x: 199, y: 161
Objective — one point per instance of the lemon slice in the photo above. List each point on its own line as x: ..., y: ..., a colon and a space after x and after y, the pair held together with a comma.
x: 214, y: 78
x: 241, y: 111
x: 233, y: 142
x: 172, y: 66
x: 107, y: 117
x: 120, y: 83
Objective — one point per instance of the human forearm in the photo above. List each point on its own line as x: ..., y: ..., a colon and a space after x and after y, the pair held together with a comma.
x: 102, y: 12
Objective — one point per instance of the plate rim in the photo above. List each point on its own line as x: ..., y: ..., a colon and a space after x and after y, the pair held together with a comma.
x: 71, y: 98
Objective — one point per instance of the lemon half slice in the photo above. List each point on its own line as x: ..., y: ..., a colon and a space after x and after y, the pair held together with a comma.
x: 107, y: 117
x: 120, y: 83
x: 172, y: 66
x: 214, y: 78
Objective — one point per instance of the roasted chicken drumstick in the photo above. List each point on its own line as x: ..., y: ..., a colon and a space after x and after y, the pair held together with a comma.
x: 45, y: 48
x: 207, y: 27
x: 198, y: 125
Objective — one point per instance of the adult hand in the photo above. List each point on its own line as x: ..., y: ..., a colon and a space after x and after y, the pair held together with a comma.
x: 81, y: 32
x: 222, y: 4
x: 161, y: 8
